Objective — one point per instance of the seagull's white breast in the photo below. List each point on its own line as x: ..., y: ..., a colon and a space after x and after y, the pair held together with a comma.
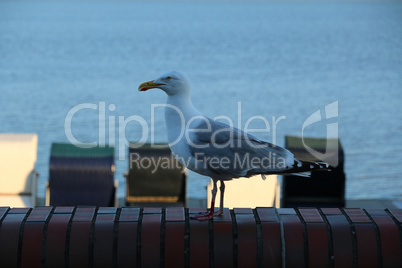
x: 179, y: 113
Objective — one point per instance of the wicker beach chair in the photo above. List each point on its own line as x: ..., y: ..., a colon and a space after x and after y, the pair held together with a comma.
x: 323, y: 188
x: 155, y: 178
x: 81, y: 176
x: 18, y: 178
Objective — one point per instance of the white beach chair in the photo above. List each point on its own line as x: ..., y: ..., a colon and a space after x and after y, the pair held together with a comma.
x: 249, y: 192
x: 18, y: 178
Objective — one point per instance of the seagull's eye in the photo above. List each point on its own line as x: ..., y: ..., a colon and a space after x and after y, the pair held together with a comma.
x: 168, y: 78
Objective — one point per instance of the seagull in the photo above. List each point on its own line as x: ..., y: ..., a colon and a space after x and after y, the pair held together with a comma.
x: 215, y: 149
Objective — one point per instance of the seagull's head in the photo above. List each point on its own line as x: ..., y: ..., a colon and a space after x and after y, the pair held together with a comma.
x: 172, y: 83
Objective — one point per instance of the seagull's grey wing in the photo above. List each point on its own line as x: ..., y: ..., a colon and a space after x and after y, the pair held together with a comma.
x: 228, y: 151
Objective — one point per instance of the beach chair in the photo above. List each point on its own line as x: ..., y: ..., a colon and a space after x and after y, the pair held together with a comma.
x: 249, y: 192
x: 323, y: 188
x: 155, y: 178
x: 81, y: 176
x: 18, y: 178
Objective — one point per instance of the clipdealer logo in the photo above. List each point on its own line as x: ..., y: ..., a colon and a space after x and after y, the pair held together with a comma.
x: 110, y: 123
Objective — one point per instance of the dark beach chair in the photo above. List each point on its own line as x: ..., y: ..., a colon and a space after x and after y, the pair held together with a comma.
x: 323, y: 188
x: 155, y: 178
x: 81, y: 176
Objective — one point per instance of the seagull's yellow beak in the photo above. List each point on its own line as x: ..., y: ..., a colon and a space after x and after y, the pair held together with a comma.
x: 148, y: 85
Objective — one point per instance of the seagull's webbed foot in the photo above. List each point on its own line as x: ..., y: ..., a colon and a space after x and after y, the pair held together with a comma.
x: 203, y: 216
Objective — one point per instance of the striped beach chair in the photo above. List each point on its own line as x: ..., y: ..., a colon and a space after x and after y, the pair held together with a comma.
x: 81, y: 176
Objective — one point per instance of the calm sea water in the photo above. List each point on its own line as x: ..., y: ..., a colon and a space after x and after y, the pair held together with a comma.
x: 279, y: 61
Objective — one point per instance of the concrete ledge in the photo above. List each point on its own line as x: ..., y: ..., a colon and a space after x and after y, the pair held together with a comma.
x: 158, y: 237
x: 372, y: 203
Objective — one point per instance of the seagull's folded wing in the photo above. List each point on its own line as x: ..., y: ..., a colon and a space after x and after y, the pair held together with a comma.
x: 228, y: 151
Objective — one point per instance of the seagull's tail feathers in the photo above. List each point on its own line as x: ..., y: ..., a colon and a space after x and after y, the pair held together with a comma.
x: 302, y: 168
x: 306, y: 174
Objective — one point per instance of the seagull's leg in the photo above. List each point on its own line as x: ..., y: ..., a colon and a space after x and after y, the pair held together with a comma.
x: 210, y: 214
x: 222, y: 188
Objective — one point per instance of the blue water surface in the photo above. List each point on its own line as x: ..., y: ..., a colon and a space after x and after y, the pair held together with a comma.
x: 274, y: 62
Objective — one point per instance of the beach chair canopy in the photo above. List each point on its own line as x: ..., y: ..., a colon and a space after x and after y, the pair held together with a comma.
x: 155, y: 177
x: 81, y: 176
x: 317, y: 150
